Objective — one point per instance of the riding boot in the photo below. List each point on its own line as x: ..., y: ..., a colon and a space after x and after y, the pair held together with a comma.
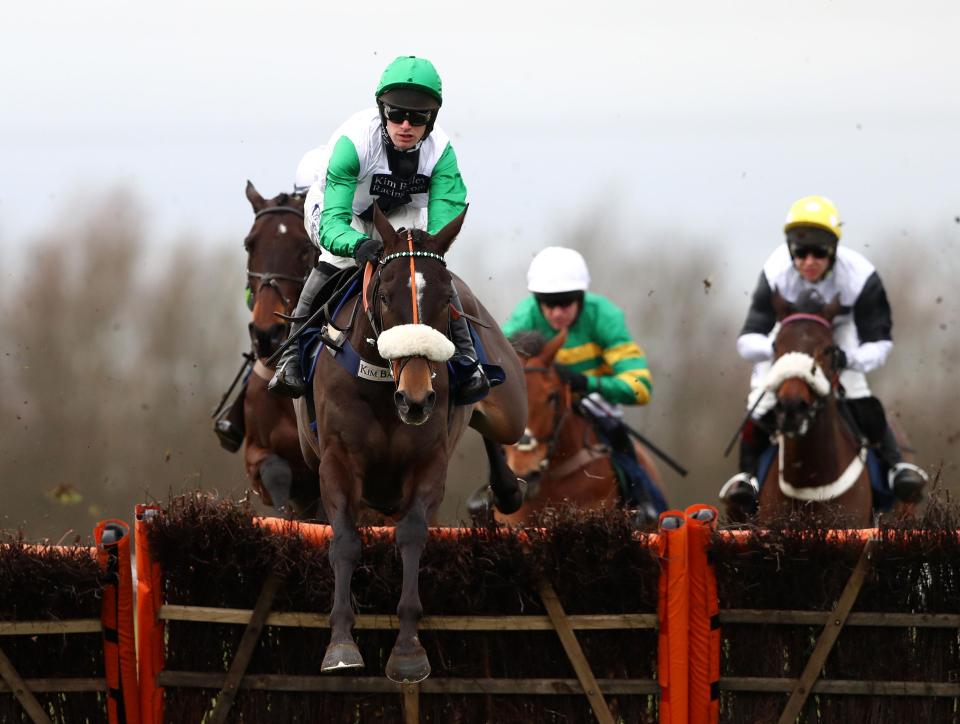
x: 229, y: 425
x: 905, y: 479
x: 288, y: 379
x: 743, y: 489
x: 478, y: 384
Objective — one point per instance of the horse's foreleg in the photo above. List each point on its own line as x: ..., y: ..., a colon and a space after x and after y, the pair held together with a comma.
x: 408, y: 661
x: 344, y: 552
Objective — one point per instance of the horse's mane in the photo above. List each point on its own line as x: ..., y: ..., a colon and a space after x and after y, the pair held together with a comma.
x: 527, y: 343
x: 284, y: 199
x: 809, y: 302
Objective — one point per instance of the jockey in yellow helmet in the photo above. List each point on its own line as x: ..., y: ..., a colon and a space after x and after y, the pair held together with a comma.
x: 812, y: 263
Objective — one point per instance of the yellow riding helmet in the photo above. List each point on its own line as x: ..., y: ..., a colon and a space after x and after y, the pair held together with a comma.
x: 817, y: 211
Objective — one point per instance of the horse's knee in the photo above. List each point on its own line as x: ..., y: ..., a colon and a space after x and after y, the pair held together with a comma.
x: 344, y: 546
x: 412, y: 530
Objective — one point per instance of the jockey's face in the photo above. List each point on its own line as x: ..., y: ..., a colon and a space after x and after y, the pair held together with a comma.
x: 810, y: 267
x: 812, y: 249
x: 560, y: 316
x: 403, y: 135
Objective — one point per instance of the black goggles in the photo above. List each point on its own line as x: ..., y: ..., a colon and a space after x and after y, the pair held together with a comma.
x: 399, y: 115
x: 558, y: 299
x: 802, y: 252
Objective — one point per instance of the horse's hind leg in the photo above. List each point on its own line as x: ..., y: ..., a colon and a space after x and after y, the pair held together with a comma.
x: 508, y: 490
x: 277, y: 478
x: 342, y: 651
x: 408, y: 661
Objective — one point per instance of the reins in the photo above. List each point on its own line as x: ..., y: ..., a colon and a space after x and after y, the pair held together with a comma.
x: 560, y: 417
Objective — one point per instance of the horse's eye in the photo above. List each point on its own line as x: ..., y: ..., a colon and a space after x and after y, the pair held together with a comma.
x: 383, y: 299
x: 553, y: 398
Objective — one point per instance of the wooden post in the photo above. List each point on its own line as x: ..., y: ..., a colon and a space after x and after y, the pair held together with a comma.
x: 829, y: 635
x: 572, y: 648
x: 411, y: 703
x: 20, y: 690
x: 245, y: 650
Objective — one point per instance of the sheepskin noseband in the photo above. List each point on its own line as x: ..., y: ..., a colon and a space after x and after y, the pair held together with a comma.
x: 797, y: 364
x: 414, y: 340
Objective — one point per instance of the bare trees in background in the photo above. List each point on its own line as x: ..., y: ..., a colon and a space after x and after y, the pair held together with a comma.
x: 114, y: 352
x: 112, y: 356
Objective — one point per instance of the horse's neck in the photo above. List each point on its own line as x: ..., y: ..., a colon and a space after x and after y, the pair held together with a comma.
x: 825, y: 451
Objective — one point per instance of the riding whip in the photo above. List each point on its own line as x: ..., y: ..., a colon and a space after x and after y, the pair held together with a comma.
x: 744, y: 422
x: 247, y: 361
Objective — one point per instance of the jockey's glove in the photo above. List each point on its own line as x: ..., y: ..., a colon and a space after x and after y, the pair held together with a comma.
x: 577, y: 381
x: 367, y: 250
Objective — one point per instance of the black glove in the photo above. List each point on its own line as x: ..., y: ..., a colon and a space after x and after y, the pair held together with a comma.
x: 367, y: 250
x: 577, y: 381
x: 838, y: 357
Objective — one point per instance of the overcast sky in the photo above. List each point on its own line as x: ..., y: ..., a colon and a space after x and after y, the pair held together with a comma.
x: 706, y: 118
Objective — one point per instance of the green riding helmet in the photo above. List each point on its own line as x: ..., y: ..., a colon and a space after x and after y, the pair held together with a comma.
x: 412, y: 83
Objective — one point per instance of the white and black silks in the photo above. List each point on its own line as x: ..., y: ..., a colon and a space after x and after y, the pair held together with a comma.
x: 862, y: 328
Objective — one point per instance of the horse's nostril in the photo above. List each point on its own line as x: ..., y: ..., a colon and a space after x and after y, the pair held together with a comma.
x: 400, y: 400
x: 429, y: 400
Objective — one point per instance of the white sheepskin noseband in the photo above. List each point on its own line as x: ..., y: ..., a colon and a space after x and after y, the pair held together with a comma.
x: 797, y: 364
x: 414, y: 340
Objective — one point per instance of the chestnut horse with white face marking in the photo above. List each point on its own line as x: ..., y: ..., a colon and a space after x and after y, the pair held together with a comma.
x: 560, y: 455
x: 821, y: 463
x: 384, y: 438
x: 279, y: 256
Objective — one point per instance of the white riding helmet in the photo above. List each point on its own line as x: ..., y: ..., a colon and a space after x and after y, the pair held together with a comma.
x: 313, y: 163
x: 558, y: 269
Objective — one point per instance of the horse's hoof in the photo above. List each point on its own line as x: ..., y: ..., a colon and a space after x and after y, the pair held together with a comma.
x: 341, y: 656
x: 480, y: 506
x: 512, y: 503
x: 408, y: 668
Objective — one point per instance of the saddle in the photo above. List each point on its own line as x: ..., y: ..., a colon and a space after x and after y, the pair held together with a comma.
x: 637, y: 490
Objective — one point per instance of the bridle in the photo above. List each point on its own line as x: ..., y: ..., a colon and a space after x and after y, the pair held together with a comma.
x: 562, y: 407
x: 374, y: 311
x: 849, y: 476
x: 819, y: 399
x: 270, y: 279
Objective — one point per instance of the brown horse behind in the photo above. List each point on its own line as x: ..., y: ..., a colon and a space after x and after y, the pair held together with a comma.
x: 385, y: 435
x: 279, y: 256
x: 821, y: 464
x: 560, y: 455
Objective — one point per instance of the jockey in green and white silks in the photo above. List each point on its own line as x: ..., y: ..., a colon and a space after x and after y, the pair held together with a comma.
x: 421, y: 187
x: 599, y: 355
x: 395, y: 156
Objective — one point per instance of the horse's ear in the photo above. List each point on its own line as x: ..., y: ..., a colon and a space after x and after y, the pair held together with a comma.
x: 254, y: 197
x: 781, y: 307
x: 387, y: 233
x: 550, y: 349
x: 832, y: 308
x: 444, y: 238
